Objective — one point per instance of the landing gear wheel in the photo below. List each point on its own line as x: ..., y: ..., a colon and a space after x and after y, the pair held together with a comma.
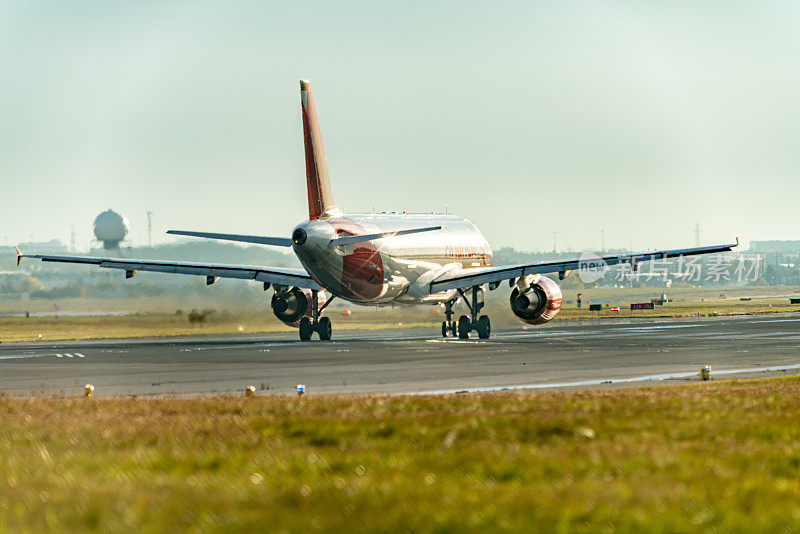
x: 453, y: 329
x: 484, y: 327
x: 464, y: 327
x: 305, y: 329
x: 324, y: 328
x: 444, y: 329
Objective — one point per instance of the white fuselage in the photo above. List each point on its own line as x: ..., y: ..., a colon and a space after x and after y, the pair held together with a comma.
x: 390, y: 269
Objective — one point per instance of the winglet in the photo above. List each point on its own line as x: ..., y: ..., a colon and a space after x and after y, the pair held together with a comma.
x: 19, y: 255
x: 737, y: 240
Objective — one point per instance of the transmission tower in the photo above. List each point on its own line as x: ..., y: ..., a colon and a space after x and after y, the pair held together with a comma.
x: 149, y: 228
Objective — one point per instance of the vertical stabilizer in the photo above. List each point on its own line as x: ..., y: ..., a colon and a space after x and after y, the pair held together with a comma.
x: 320, y: 194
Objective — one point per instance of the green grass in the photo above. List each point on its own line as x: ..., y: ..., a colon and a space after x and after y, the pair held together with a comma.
x: 712, y: 308
x: 135, y: 325
x: 156, y: 316
x: 159, y: 325
x: 717, y: 456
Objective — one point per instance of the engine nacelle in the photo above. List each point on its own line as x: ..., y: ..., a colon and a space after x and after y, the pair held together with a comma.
x: 537, y: 304
x: 291, y: 305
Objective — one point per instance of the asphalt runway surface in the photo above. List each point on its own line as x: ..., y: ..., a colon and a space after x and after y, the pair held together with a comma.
x: 603, y: 353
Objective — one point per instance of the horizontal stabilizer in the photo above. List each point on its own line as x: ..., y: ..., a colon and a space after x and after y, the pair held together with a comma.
x: 257, y: 239
x: 350, y: 239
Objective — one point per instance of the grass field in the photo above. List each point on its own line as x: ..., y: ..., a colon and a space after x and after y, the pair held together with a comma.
x: 135, y: 325
x: 160, y: 324
x: 711, y: 457
x: 687, y: 309
x: 120, y: 318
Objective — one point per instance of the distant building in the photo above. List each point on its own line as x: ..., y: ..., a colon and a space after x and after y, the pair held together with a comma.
x: 54, y: 246
x: 781, y: 247
x: 111, y: 228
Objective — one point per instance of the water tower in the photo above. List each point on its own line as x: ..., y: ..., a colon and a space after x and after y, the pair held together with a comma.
x: 111, y: 228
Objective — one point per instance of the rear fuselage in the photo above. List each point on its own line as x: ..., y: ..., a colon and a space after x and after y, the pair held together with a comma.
x: 390, y: 269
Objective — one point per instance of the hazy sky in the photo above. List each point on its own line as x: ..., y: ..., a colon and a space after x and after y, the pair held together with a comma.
x: 639, y: 118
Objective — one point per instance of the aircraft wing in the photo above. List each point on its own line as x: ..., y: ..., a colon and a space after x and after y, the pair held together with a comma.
x: 272, y: 275
x: 461, y: 278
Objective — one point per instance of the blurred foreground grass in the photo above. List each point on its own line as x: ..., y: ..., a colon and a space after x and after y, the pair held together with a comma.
x: 712, y: 456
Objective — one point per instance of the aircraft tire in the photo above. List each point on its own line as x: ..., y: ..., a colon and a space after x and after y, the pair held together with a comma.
x: 444, y: 329
x: 305, y: 329
x: 484, y: 327
x: 324, y: 328
x: 464, y: 327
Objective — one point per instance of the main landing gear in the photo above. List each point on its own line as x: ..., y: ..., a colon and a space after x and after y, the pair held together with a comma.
x: 320, y: 325
x: 465, y: 324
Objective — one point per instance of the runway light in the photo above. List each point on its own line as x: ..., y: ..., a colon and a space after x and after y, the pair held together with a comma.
x: 250, y: 391
x: 88, y: 389
x: 705, y: 372
x: 301, y: 388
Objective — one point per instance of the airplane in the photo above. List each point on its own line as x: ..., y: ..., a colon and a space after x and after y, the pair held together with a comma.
x: 381, y: 258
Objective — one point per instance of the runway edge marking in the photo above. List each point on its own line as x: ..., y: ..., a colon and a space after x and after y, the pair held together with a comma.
x: 598, y: 382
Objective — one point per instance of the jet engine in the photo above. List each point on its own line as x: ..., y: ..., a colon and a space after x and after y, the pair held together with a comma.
x: 536, y: 299
x: 291, y: 305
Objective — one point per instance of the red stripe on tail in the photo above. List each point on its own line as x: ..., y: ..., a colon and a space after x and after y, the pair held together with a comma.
x: 320, y: 194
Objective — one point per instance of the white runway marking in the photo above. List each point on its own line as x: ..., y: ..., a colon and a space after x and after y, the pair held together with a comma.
x: 598, y: 382
x: 25, y: 356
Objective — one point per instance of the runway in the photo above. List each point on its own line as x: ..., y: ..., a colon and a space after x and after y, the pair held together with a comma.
x: 604, y: 353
